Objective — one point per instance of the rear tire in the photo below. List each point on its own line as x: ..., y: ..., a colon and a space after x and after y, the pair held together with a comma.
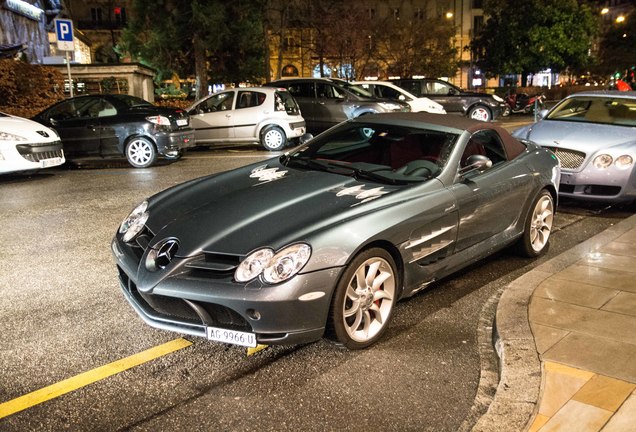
x: 141, y: 152
x: 538, y: 226
x: 273, y: 138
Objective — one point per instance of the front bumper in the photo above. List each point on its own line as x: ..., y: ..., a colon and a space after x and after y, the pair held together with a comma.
x: 34, y: 156
x: 188, y: 301
x: 593, y: 184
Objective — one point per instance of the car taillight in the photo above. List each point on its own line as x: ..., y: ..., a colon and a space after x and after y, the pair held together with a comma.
x: 159, y: 120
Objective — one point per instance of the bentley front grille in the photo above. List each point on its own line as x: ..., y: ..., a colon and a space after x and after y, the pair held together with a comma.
x: 570, y: 159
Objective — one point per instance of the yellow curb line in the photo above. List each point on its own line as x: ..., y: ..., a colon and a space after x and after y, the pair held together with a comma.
x: 78, y: 381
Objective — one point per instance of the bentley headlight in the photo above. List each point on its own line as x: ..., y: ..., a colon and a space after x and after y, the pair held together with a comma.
x: 253, y: 265
x: 134, y: 223
x: 624, y: 162
x: 275, y: 268
x: 602, y: 161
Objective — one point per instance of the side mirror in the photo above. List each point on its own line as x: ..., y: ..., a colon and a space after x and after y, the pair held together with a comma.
x: 476, y: 163
x: 303, y: 139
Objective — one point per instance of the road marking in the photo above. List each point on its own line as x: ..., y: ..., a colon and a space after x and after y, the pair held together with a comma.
x: 78, y: 381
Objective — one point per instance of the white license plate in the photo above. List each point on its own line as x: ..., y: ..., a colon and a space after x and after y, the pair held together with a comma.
x: 567, y: 179
x: 50, y: 162
x: 231, y: 336
x: 182, y: 122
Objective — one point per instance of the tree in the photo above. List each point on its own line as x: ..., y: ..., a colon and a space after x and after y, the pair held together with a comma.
x: 196, y: 37
x: 533, y: 35
x: 616, y: 47
x: 417, y: 46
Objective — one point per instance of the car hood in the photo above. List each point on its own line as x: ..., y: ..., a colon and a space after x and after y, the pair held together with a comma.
x: 34, y: 132
x: 585, y: 137
x: 260, y: 205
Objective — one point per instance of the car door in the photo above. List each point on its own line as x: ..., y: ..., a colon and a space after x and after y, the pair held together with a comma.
x: 443, y: 93
x: 329, y: 105
x: 304, y: 92
x: 212, y: 118
x: 249, y: 112
x: 110, y: 128
x: 489, y: 202
x: 75, y: 120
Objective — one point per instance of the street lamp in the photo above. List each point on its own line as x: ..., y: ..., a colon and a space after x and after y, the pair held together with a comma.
x: 620, y: 19
x: 449, y: 15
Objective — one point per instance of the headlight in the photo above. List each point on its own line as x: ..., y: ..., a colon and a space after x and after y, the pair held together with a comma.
x: 160, y: 120
x: 390, y: 106
x: 497, y: 98
x: 134, y: 223
x: 602, y: 161
x: 253, y: 265
x: 624, y: 162
x: 6, y: 136
x: 274, y: 268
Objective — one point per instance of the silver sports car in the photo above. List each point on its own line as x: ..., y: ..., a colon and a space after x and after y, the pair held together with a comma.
x: 324, y: 240
x: 594, y: 136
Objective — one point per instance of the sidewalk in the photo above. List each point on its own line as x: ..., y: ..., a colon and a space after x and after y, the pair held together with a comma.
x: 567, y: 341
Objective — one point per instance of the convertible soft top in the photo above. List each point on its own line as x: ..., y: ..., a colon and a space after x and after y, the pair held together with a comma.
x: 450, y: 123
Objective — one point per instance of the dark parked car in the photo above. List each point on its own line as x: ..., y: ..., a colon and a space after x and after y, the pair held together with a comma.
x: 330, y: 236
x: 108, y: 125
x: 475, y: 105
x: 325, y: 102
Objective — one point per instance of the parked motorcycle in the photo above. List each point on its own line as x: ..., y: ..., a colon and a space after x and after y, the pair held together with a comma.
x: 522, y: 103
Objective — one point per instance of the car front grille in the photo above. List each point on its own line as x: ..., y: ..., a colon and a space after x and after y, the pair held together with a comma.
x: 570, y: 159
x: 174, y: 308
x: 38, y: 152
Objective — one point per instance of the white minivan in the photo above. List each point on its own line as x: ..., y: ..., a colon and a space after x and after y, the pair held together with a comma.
x: 269, y: 116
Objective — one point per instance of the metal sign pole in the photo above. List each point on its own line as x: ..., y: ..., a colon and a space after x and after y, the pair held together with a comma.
x: 68, y: 68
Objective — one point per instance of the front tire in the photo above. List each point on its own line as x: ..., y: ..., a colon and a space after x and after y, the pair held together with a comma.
x: 538, y: 226
x: 480, y: 112
x: 364, y: 300
x: 141, y: 152
x: 273, y: 138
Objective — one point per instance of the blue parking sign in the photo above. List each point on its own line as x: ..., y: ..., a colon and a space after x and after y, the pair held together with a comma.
x: 64, y: 33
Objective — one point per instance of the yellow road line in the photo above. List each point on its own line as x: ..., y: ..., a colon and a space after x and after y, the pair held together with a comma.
x: 68, y: 385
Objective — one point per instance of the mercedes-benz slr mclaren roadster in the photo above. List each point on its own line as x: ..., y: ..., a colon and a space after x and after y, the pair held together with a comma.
x: 325, y: 239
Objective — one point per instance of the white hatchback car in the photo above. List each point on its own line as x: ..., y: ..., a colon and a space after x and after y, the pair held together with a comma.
x: 26, y: 145
x: 265, y: 115
x: 387, y: 90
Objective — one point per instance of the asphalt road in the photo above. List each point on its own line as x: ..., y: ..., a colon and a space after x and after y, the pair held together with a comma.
x: 62, y: 314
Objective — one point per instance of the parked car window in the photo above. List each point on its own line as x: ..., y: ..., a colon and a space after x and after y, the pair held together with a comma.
x: 436, y: 87
x: 325, y: 90
x: 218, y: 102
x: 131, y: 101
x: 106, y: 109
x: 486, y: 143
x: 73, y: 109
x: 302, y: 89
x: 413, y: 87
x: 285, y: 102
x: 247, y: 99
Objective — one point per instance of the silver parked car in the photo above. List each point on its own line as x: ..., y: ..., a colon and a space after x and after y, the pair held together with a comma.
x: 325, y: 240
x: 269, y: 116
x: 594, y: 136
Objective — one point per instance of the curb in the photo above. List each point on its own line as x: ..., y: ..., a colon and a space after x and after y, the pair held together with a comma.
x: 518, y: 392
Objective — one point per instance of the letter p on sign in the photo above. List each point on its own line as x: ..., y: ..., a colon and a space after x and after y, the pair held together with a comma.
x: 64, y: 33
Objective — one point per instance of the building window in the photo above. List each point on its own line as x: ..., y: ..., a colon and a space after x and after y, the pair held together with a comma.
x: 478, y: 4
x: 478, y: 24
x: 288, y: 43
x: 396, y: 13
x: 371, y: 13
x: 418, y: 14
x: 120, y: 15
x: 290, y: 70
x: 96, y: 15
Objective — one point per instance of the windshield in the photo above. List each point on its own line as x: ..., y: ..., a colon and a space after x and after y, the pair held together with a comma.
x: 385, y: 153
x: 602, y: 110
